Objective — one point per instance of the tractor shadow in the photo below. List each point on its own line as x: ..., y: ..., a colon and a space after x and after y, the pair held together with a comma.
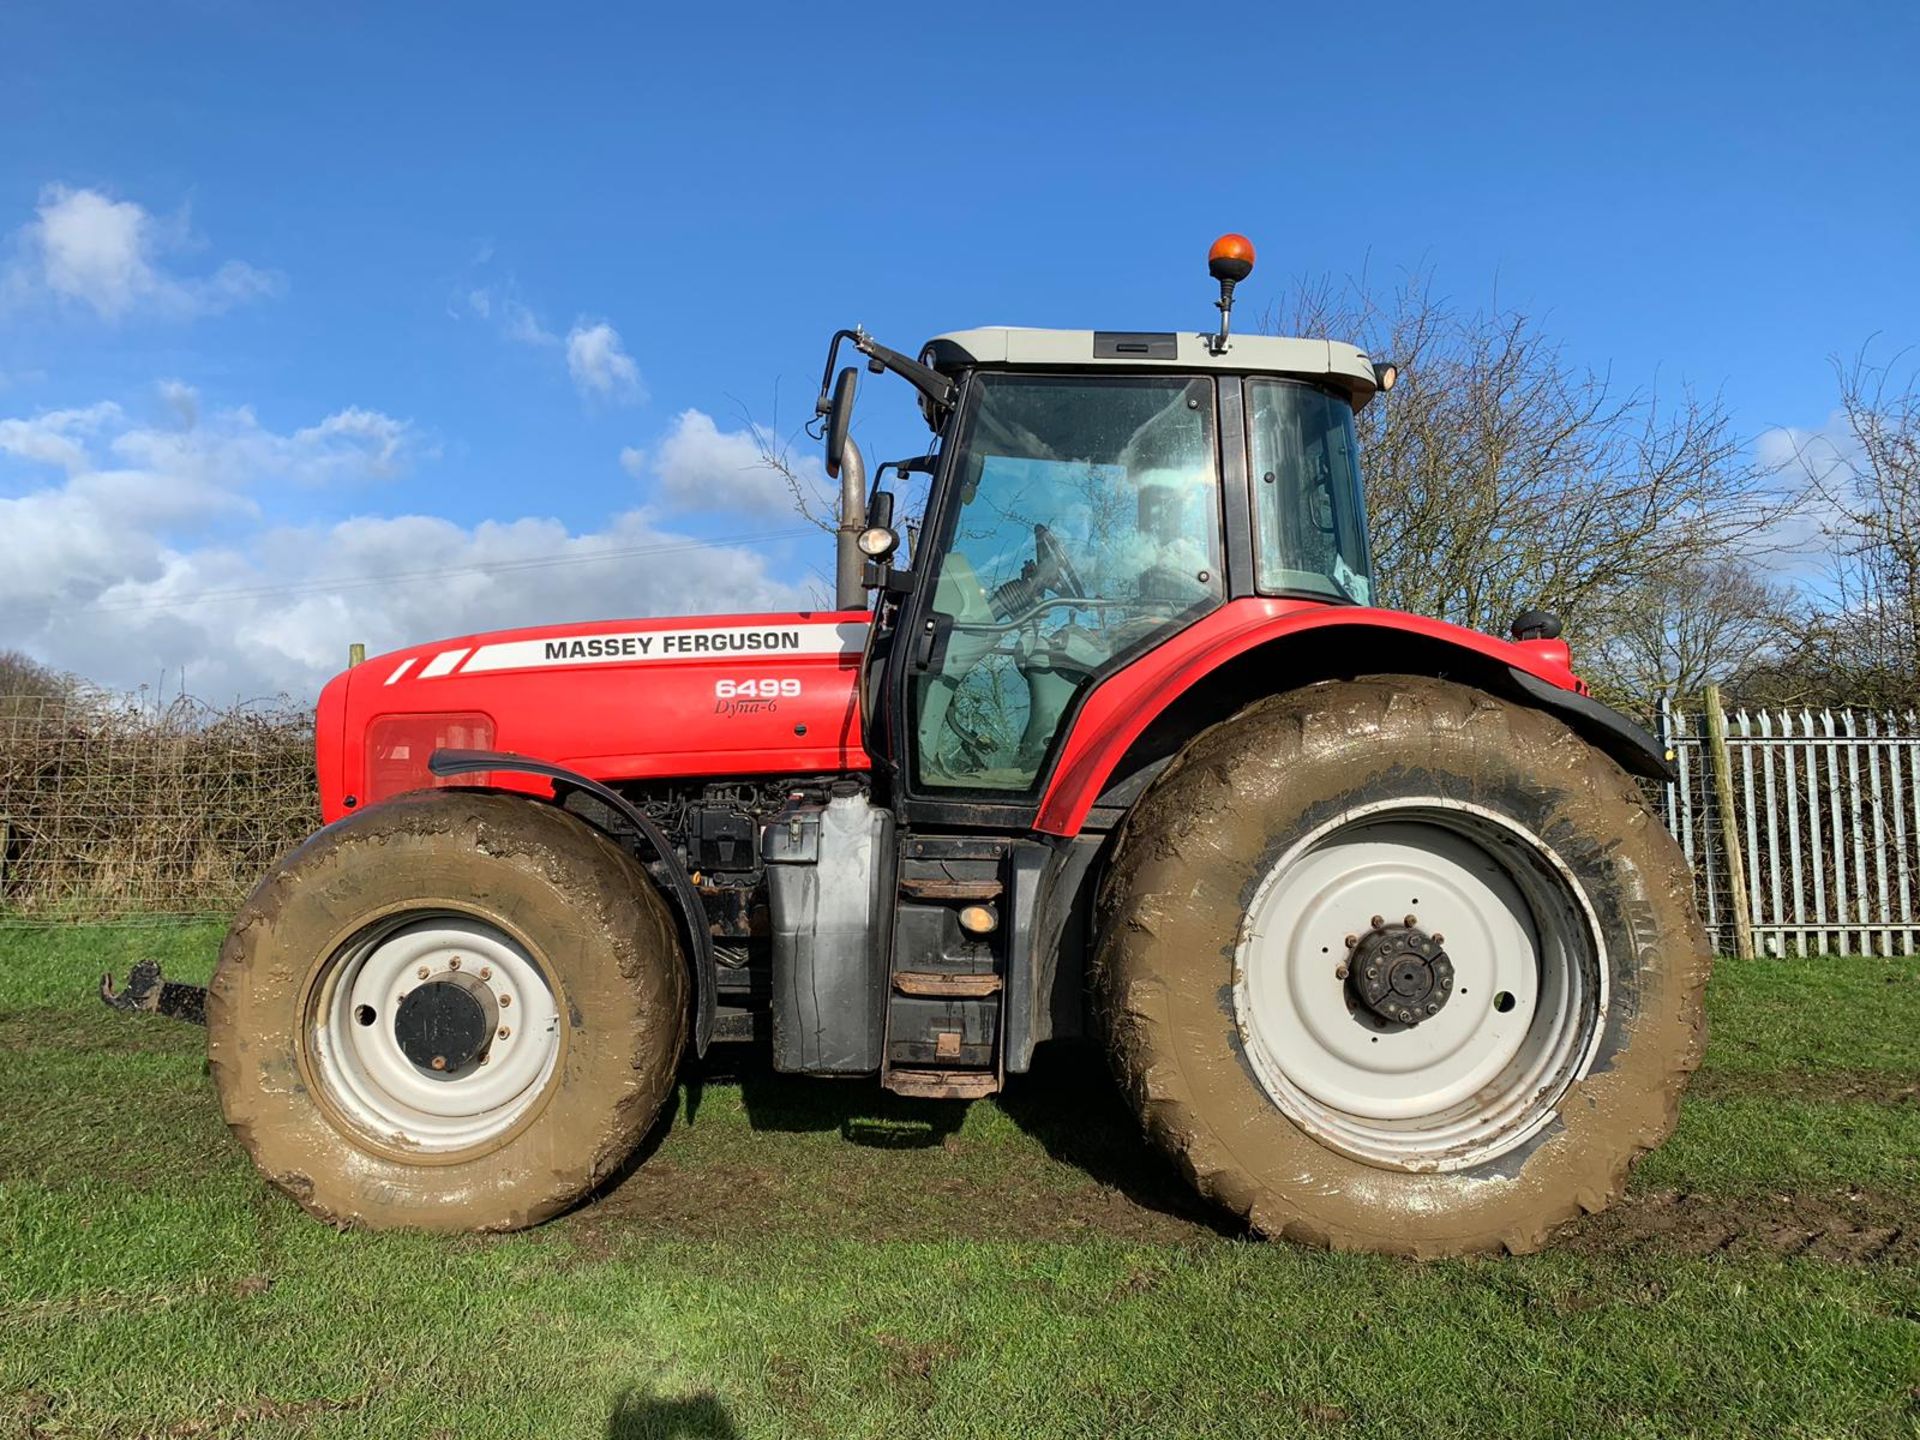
x: 1067, y: 1102
x: 640, y: 1416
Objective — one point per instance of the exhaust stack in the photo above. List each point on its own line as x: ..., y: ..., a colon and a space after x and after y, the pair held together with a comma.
x: 849, y: 563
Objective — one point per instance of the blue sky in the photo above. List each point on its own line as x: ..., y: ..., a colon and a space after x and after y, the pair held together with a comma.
x: 334, y: 323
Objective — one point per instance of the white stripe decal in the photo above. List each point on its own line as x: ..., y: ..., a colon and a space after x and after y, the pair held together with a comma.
x: 399, y: 670
x: 730, y: 642
x: 442, y: 664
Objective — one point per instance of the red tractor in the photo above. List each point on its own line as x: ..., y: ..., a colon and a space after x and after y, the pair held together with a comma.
x: 1368, y: 910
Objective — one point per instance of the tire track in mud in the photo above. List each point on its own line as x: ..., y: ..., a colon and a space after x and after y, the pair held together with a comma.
x: 1848, y: 1227
x: 734, y: 1202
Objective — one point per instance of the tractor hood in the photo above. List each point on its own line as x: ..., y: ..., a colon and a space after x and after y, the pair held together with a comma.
x: 720, y: 695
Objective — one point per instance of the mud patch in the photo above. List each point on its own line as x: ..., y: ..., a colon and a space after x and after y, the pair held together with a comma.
x: 1879, y: 1087
x: 1848, y: 1227
x: 846, y: 1160
x: 895, y: 1201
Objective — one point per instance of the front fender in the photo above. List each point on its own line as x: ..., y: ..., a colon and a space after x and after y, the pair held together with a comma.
x: 1255, y: 647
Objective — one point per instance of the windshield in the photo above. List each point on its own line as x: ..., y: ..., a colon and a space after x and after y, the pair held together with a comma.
x: 1088, y: 527
x: 1311, y: 531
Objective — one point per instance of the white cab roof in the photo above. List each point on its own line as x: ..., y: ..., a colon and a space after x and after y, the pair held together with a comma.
x: 1328, y: 361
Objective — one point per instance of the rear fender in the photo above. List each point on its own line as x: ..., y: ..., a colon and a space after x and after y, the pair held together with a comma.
x: 1133, y: 722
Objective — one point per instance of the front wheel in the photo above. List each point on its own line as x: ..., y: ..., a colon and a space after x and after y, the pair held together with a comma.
x: 453, y: 1011
x: 1397, y: 965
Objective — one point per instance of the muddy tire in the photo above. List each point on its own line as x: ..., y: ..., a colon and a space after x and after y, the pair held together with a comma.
x: 1238, y: 929
x: 456, y: 1011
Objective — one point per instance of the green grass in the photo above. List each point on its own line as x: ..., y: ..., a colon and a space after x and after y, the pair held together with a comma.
x: 818, y: 1259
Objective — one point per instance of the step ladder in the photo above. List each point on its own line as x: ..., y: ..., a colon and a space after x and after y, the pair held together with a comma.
x: 945, y: 1032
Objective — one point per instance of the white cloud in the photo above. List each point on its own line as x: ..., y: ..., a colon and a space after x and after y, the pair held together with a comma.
x: 633, y: 460
x: 513, y: 316
x: 85, y: 248
x: 520, y: 324
x: 184, y: 400
x: 1812, y: 464
x: 54, y: 437
x: 143, y: 551
x: 600, y: 365
x: 701, y: 466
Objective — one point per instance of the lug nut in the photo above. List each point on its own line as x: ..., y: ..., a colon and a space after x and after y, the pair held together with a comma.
x: 439, y: 1062
x: 1433, y: 1009
x: 1438, y: 938
x: 423, y: 972
x: 454, y: 963
x: 486, y: 972
x: 1411, y: 921
x: 1339, y: 972
x: 485, y: 1058
x: 505, y: 1000
x: 1378, y: 921
x: 505, y: 1031
x: 1352, y: 940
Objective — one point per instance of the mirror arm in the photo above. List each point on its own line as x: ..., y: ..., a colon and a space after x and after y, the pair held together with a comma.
x: 929, y: 382
x: 825, y: 402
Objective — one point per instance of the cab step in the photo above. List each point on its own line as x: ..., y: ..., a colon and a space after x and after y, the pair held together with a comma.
x: 942, y: 1084
x: 946, y: 888
x: 946, y: 986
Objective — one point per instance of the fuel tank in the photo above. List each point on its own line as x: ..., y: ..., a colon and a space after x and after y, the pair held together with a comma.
x: 715, y: 695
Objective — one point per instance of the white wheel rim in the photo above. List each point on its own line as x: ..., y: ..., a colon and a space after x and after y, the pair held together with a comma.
x: 1522, y: 1020
x: 360, y: 1064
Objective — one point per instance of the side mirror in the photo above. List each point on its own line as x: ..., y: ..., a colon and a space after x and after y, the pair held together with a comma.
x: 839, y: 417
x: 880, y: 510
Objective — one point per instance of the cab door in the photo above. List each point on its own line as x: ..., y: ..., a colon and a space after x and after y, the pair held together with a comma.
x: 1078, y: 524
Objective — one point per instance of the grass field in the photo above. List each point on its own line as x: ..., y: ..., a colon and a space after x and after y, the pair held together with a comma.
x: 816, y: 1259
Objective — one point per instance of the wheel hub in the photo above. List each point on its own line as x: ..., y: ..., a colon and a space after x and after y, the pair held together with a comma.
x: 1400, y: 973
x: 442, y: 1026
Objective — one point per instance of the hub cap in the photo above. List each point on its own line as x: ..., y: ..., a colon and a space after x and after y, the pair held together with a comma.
x: 433, y: 1032
x: 1399, y: 972
x: 1439, y: 1038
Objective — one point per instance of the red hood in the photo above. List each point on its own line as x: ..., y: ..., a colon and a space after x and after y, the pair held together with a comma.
x: 616, y: 699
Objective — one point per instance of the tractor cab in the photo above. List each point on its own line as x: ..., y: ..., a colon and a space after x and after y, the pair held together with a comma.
x: 1094, y: 493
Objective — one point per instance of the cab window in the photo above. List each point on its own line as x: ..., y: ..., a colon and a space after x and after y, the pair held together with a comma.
x: 1310, y: 531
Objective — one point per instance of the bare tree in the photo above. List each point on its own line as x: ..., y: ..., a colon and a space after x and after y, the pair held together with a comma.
x: 1702, y: 622
x: 1500, y: 475
x: 1861, y: 643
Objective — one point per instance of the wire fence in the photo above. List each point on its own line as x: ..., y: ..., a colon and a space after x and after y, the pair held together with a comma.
x: 1808, y: 831
x: 111, y: 807
x: 117, y: 809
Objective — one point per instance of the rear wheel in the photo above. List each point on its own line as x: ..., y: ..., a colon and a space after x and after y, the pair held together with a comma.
x: 456, y: 1012
x: 1394, y: 964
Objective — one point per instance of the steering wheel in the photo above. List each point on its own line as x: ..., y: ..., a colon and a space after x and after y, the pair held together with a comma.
x: 1051, y: 566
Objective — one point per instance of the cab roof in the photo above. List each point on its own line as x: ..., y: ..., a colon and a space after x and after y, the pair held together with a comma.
x: 1330, y: 362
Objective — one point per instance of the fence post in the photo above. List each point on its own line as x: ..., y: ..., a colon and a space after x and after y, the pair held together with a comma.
x: 356, y: 652
x: 1729, y: 824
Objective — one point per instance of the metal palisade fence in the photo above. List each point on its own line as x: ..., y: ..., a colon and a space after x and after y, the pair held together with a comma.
x: 1802, y: 826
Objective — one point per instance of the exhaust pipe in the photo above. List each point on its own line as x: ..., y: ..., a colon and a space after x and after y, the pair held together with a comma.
x: 849, y: 564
